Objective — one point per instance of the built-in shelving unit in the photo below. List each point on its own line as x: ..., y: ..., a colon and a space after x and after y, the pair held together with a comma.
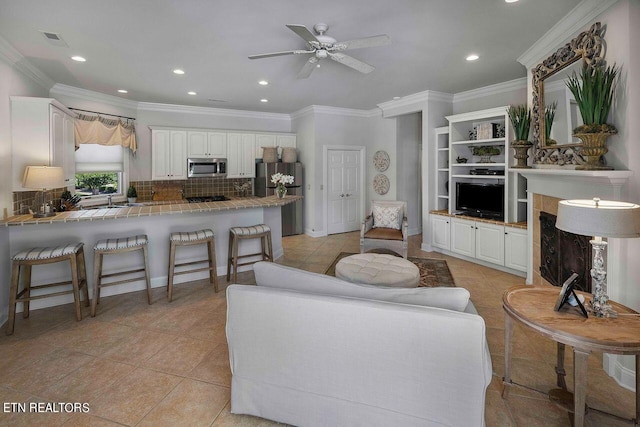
x: 442, y: 167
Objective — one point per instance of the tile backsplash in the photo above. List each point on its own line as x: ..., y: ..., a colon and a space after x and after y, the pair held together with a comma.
x: 194, y: 187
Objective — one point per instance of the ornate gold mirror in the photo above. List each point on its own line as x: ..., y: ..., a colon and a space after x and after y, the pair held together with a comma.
x: 548, y: 85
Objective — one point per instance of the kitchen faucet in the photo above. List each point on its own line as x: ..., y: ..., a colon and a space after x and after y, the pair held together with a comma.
x: 109, y: 199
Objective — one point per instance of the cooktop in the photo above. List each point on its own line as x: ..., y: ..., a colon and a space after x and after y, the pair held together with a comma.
x: 205, y: 199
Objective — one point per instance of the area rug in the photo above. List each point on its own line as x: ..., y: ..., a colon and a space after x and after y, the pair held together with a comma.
x: 433, y: 272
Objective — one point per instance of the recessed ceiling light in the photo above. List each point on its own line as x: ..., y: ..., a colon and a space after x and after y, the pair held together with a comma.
x: 510, y: 1
x: 178, y: 71
x: 123, y: 91
x: 78, y: 58
x: 472, y: 57
x: 264, y: 100
x: 396, y: 97
x: 263, y: 82
x: 191, y: 93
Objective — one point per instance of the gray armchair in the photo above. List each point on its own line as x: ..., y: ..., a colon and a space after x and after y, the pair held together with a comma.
x: 384, y: 237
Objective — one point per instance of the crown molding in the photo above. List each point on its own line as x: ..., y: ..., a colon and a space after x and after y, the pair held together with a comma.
x: 190, y: 109
x: 413, y: 103
x: 15, y: 58
x: 336, y: 111
x: 577, y: 19
x: 494, y: 89
x: 90, y: 95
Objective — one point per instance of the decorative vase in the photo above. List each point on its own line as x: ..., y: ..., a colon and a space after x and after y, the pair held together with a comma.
x: 593, y: 148
x: 269, y: 154
x: 521, y: 148
x: 289, y: 155
x: 485, y: 159
x: 281, y: 191
x: 131, y: 200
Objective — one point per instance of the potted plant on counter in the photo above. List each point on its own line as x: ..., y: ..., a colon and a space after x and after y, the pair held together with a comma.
x: 520, y: 117
x: 132, y: 194
x: 593, y: 91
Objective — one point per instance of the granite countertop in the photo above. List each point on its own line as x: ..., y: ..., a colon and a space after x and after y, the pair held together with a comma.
x: 153, y: 208
x: 444, y: 212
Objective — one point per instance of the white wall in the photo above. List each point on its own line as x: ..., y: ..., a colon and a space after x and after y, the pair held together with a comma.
x: 508, y: 93
x: 304, y: 127
x: 409, y: 150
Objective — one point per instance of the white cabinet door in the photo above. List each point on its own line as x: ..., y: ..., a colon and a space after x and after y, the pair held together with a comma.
x: 178, y: 155
x: 217, y: 144
x: 516, y: 253
x: 463, y: 237
x: 286, y: 141
x: 57, y: 137
x: 248, y: 155
x: 69, y: 160
x: 440, y: 232
x: 264, y: 140
x: 490, y: 242
x: 234, y: 155
x: 198, y: 145
x: 168, y: 154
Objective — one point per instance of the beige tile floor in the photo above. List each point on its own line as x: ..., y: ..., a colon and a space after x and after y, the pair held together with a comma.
x: 167, y: 364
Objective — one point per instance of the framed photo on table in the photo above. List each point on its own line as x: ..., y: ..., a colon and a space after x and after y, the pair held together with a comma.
x: 568, y: 295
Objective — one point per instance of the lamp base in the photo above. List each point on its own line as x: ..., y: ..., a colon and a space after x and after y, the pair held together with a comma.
x: 599, y: 304
x: 44, y: 215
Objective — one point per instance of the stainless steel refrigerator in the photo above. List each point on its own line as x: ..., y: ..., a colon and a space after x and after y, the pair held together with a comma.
x: 291, y: 213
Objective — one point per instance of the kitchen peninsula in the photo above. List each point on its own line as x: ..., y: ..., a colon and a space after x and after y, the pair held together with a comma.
x: 157, y: 222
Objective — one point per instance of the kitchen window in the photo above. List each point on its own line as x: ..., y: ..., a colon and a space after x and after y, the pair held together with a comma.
x: 101, y: 172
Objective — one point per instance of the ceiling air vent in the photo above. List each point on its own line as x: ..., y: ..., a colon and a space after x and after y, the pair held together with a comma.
x: 54, y: 38
x: 216, y: 100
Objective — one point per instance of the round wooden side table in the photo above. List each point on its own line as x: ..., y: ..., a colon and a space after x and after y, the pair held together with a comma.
x: 533, y: 307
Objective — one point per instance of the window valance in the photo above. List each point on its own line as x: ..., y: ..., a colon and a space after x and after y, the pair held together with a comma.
x: 98, y: 130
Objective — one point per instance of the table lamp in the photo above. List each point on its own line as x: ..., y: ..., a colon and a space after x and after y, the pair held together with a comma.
x: 43, y: 178
x: 599, y: 218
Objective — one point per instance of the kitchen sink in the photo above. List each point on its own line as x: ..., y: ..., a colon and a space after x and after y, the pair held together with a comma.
x: 128, y: 205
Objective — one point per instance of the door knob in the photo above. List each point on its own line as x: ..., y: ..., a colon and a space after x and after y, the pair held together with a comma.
x: 342, y: 195
x: 347, y: 195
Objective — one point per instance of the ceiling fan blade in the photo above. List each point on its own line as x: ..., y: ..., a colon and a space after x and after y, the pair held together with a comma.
x: 352, y: 62
x: 379, y: 40
x: 308, y: 67
x: 303, y: 32
x: 286, y: 52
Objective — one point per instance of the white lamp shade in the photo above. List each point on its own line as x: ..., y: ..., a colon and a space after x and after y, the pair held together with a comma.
x: 599, y: 218
x: 43, y: 177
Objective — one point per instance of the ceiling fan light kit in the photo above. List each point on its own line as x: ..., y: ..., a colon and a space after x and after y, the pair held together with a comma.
x: 323, y: 46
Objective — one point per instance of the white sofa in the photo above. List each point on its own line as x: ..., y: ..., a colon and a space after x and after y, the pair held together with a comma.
x: 311, y: 350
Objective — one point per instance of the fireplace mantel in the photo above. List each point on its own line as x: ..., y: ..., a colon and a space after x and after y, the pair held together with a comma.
x: 576, y: 184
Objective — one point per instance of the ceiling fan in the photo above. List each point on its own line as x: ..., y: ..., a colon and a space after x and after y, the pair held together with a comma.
x: 322, y: 46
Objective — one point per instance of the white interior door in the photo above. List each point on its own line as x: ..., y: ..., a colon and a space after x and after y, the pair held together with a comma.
x: 343, y: 191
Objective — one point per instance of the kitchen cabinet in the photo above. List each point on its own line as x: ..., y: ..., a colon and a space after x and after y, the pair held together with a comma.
x: 42, y: 133
x: 516, y: 253
x: 241, y: 154
x: 440, y: 232
x: 203, y: 144
x: 463, y: 237
x: 265, y: 140
x: 168, y: 154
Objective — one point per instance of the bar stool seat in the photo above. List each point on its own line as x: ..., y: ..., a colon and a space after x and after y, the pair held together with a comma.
x: 261, y: 231
x: 118, y: 246
x: 189, y: 238
x: 25, y: 259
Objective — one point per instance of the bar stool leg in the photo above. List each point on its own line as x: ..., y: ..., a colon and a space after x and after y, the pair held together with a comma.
x: 270, y: 247
x: 82, y: 271
x: 230, y: 255
x: 145, y: 254
x: 13, y: 294
x: 172, y: 262
x: 74, y: 280
x: 97, y: 268
x: 27, y: 293
x: 213, y: 273
x: 235, y: 258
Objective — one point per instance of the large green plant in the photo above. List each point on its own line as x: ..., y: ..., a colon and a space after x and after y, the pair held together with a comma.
x: 520, y: 117
x: 593, y: 91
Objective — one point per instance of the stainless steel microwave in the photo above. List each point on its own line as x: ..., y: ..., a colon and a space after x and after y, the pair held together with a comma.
x: 203, y: 167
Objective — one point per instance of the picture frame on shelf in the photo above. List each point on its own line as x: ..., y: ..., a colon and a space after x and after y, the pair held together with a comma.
x: 568, y: 295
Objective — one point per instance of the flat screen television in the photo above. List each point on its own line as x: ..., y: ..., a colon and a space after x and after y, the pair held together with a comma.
x: 480, y: 200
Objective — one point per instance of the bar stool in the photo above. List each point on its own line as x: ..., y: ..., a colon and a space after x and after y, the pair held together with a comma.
x: 261, y: 231
x: 118, y: 246
x: 191, y: 238
x: 24, y: 260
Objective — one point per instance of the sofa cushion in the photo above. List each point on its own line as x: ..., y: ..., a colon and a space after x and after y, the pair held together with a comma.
x: 280, y: 276
x: 387, y: 216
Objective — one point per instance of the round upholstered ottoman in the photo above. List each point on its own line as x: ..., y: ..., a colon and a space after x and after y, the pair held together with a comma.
x: 378, y: 269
